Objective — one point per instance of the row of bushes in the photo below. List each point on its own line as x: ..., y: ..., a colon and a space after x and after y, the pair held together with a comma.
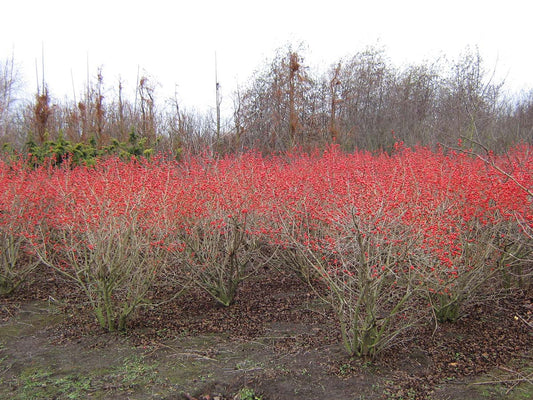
x: 60, y: 151
x: 389, y: 240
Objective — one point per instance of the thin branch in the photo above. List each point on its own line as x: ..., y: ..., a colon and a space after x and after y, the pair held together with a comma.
x: 493, y: 164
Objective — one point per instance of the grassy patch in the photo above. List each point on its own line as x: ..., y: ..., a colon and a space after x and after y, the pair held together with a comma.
x: 510, y: 383
x: 134, y: 374
x: 135, y: 371
x: 38, y: 383
x: 248, y: 394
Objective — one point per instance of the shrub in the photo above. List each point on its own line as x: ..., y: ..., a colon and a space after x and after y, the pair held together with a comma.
x: 214, y: 238
x: 386, y: 239
x: 349, y: 231
x: 101, y: 234
x: 16, y: 262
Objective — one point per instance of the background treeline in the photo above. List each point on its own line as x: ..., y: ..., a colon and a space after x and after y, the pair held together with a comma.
x: 363, y: 101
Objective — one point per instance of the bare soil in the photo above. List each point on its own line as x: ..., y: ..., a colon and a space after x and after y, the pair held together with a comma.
x: 278, y: 340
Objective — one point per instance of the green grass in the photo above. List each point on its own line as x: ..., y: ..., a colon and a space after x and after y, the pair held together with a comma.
x: 136, y: 371
x: 36, y: 383
x: 518, y: 387
x: 248, y: 394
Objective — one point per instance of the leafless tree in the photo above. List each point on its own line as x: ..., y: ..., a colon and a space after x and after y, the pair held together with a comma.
x: 10, y: 84
x: 357, y: 103
x: 276, y: 104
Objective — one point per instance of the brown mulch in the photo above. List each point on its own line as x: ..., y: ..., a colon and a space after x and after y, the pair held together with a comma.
x: 490, y: 334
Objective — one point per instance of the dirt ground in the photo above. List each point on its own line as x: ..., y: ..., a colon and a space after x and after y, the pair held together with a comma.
x: 277, y: 342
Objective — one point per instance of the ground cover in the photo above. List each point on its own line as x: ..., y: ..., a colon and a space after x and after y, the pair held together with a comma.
x: 278, y: 340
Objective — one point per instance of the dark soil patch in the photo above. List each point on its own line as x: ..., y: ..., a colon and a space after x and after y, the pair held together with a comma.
x: 278, y: 338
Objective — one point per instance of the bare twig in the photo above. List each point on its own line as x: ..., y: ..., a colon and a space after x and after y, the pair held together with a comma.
x: 493, y: 164
x: 521, y: 378
x: 501, y: 381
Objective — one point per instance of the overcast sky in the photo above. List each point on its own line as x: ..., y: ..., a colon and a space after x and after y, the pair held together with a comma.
x: 175, y: 41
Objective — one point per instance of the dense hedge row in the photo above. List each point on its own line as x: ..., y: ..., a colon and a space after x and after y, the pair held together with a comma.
x: 391, y: 240
x: 61, y: 151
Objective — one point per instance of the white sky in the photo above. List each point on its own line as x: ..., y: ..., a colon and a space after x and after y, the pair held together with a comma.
x: 175, y: 41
